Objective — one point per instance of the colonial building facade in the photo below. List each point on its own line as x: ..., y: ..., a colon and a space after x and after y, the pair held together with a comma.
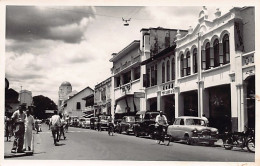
x: 102, y: 97
x: 208, y: 71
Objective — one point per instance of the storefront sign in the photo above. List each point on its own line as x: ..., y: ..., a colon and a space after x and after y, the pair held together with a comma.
x: 139, y: 94
x: 167, y: 92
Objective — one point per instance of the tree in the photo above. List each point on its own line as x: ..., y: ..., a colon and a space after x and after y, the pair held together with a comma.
x: 41, y: 104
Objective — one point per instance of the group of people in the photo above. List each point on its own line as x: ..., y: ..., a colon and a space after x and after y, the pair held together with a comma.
x: 20, y: 124
x: 57, y: 125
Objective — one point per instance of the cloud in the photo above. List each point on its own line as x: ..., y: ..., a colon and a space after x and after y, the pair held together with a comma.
x: 55, y: 23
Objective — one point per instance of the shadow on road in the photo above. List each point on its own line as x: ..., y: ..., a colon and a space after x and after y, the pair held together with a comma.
x: 60, y: 144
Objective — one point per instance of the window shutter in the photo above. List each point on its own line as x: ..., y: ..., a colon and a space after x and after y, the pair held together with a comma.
x: 211, y: 57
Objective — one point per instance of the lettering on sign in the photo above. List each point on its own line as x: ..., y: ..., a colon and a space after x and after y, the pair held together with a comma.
x: 167, y: 92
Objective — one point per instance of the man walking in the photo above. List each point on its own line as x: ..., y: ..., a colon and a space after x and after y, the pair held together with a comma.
x: 18, y: 118
x: 55, y: 124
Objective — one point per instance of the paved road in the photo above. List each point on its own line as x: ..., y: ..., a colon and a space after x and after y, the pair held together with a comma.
x: 85, y: 144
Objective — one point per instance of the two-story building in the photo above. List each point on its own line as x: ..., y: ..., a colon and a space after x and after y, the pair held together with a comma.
x: 102, y: 98
x: 208, y: 71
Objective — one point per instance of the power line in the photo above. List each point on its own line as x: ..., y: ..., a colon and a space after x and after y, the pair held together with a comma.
x: 96, y: 14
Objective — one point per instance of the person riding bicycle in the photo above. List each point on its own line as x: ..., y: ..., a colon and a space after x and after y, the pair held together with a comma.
x: 110, y: 124
x: 160, y: 122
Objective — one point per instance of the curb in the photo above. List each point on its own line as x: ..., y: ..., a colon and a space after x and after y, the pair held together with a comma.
x: 26, y: 153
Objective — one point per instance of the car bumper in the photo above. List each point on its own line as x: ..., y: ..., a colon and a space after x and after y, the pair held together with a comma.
x: 204, y: 138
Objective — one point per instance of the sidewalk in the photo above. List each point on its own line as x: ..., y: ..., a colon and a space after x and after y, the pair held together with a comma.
x: 8, y: 146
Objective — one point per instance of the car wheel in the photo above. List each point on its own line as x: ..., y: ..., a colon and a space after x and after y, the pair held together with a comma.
x: 211, y: 143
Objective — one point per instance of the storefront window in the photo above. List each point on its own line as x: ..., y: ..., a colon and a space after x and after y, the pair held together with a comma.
x: 173, y: 68
x: 195, y: 65
x: 207, y: 49
x: 216, y: 53
x: 163, y: 73
x: 188, y: 63
x: 168, y: 70
x: 226, y: 51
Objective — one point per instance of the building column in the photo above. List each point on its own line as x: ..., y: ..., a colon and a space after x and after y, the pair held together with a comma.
x: 245, y: 84
x: 159, y: 101
x: 206, y: 103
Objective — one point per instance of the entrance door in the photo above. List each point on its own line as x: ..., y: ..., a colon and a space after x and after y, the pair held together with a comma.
x: 250, y: 97
x: 169, y: 109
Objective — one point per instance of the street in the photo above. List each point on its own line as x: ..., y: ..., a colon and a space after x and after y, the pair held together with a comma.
x: 86, y: 144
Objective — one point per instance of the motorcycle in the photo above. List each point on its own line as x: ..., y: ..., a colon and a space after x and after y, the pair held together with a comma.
x: 240, y: 139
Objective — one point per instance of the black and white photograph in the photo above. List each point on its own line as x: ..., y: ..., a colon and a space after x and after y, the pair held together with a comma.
x: 130, y: 83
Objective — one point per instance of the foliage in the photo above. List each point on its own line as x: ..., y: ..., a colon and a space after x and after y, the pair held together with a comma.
x: 41, y: 104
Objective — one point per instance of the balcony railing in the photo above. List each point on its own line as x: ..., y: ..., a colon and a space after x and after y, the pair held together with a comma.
x: 128, y: 63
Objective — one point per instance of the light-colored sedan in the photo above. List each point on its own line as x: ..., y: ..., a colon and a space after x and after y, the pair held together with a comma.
x: 192, y: 130
x: 86, y: 123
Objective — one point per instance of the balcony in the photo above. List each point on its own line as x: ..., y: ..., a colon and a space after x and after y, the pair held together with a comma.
x: 127, y: 64
x: 128, y: 88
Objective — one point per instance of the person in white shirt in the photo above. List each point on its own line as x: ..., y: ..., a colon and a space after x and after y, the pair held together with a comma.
x: 160, y: 122
x: 55, y: 124
x: 29, y: 125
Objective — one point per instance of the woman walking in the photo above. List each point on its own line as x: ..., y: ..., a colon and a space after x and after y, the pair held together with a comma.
x: 29, y: 124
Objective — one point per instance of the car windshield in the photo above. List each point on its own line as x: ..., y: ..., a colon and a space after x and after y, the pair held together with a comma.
x: 195, y: 122
x: 130, y: 119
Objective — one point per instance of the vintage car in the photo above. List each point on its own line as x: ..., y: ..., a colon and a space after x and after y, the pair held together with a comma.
x: 192, y: 130
x: 86, y: 123
x: 145, y: 123
x: 126, y: 125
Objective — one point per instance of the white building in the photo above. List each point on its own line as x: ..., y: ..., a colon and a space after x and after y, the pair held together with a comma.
x: 64, y: 89
x: 209, y: 71
x: 25, y: 96
x: 75, y: 106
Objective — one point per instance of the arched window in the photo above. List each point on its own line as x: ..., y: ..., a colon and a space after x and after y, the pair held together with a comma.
x: 188, y: 63
x: 173, y: 68
x: 207, y: 49
x: 195, y: 64
x: 226, y: 51
x: 216, y: 53
x: 168, y: 70
x: 163, y: 73
x: 182, y: 65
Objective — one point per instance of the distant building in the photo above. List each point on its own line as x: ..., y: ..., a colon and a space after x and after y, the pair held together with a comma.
x: 25, y: 96
x: 102, y: 99
x: 64, y: 89
x: 76, y: 105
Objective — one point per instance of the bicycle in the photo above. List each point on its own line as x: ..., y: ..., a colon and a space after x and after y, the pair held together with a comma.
x: 110, y: 129
x: 162, y: 135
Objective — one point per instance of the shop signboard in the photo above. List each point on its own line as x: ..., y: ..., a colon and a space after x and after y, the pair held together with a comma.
x: 167, y: 92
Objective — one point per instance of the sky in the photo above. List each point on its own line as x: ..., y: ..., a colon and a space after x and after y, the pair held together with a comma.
x: 47, y: 45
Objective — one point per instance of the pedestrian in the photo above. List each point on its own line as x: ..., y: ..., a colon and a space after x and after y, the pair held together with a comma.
x: 55, y: 124
x: 18, y: 118
x: 205, y: 119
x: 29, y: 125
x: 8, y: 127
x: 36, y: 126
x: 62, y: 126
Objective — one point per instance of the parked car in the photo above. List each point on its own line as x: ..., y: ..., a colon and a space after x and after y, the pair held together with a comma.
x: 192, y: 130
x: 92, y: 122
x: 126, y: 125
x: 86, y: 123
x: 81, y: 121
x: 145, y: 124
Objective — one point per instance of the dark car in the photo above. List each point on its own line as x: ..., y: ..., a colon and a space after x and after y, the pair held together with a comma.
x: 92, y: 122
x: 126, y: 125
x: 145, y: 124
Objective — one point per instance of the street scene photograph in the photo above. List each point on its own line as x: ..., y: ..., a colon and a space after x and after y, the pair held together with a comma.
x: 130, y: 83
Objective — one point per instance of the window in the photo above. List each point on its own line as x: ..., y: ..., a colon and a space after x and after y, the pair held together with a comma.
x: 137, y: 73
x: 226, y: 51
x: 148, y: 77
x: 207, y: 49
x: 117, y: 81
x: 216, y: 53
x: 177, y: 122
x: 173, y: 68
x: 195, y: 64
x: 126, y: 77
x: 182, y: 65
x: 155, y: 74
x: 185, y: 65
x: 103, y: 94
x: 78, y: 106
x: 182, y: 122
x: 152, y: 76
x: 168, y: 70
x: 188, y: 63
x: 163, y: 73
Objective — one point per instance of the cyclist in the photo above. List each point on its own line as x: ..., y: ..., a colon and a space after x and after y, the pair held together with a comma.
x: 160, y: 122
x: 110, y: 125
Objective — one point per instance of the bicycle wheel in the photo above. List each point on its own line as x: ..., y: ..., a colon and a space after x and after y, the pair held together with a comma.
x: 250, y: 144
x: 168, y: 140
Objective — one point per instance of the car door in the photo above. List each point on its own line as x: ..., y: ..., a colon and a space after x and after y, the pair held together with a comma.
x: 181, y: 130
